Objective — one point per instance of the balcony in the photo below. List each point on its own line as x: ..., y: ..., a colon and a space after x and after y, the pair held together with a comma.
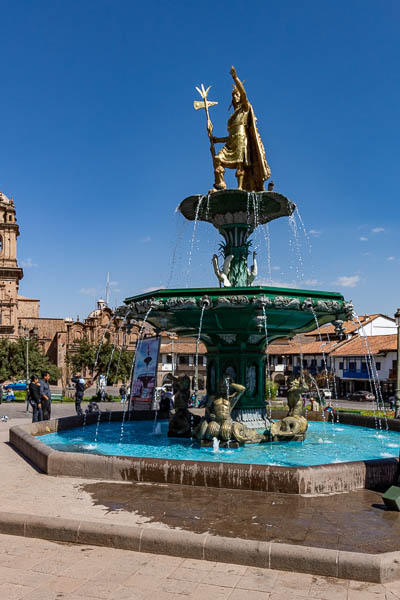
x: 355, y: 374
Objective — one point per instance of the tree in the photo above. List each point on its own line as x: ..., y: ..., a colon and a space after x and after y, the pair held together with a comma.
x: 271, y: 389
x: 13, y: 360
x: 111, y: 360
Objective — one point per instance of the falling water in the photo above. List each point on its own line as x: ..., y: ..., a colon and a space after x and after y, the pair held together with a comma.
x: 109, y: 415
x: 268, y: 363
x: 333, y: 373
x: 196, y: 373
x: 126, y: 404
x: 178, y: 240
x: 295, y: 243
x: 322, y: 349
x: 371, y: 365
x: 304, y: 231
x: 215, y: 444
x: 111, y: 355
x: 156, y: 425
x: 97, y: 426
x: 102, y: 340
x: 267, y: 237
x: 200, y: 200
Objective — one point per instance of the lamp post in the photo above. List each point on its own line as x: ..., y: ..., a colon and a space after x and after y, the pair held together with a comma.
x: 397, y: 405
x: 26, y: 334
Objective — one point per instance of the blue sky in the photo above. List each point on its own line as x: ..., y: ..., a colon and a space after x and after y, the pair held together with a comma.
x: 100, y: 142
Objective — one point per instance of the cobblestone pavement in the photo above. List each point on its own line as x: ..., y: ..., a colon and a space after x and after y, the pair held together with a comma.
x: 33, y: 569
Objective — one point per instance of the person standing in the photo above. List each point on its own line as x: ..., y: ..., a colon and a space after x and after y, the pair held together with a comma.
x: 45, y: 395
x: 122, y: 393
x: 35, y: 400
x: 80, y: 386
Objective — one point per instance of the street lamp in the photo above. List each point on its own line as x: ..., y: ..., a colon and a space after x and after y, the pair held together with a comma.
x: 397, y: 404
x: 26, y: 334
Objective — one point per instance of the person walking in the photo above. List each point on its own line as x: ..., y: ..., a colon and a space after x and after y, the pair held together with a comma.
x: 1, y: 392
x: 45, y: 395
x: 80, y: 386
x: 35, y: 400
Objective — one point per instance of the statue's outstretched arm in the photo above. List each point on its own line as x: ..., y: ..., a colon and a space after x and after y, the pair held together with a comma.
x: 220, y: 140
x: 239, y: 390
x: 240, y: 87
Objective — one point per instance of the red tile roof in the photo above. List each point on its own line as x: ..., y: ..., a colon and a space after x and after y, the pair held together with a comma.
x: 296, y: 346
x: 377, y: 344
x: 349, y: 326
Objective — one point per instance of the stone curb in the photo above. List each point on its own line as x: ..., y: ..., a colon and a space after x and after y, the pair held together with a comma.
x: 376, y: 568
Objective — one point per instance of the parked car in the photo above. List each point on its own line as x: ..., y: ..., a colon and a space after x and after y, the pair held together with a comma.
x: 17, y: 386
x: 361, y: 396
x: 325, y: 393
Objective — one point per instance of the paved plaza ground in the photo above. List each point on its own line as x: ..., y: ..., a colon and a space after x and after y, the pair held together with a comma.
x: 33, y: 569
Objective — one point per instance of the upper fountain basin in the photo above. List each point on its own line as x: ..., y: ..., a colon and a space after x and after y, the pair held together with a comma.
x: 235, y: 207
x: 237, y: 313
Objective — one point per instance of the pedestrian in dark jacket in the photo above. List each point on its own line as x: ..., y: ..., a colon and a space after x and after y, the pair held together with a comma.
x: 35, y: 399
x: 45, y: 395
x: 80, y: 387
x: 1, y: 393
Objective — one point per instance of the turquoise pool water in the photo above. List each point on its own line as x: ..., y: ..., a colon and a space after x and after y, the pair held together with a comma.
x: 325, y: 444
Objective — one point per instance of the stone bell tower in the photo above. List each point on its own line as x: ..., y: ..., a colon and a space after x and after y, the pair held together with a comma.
x: 10, y: 273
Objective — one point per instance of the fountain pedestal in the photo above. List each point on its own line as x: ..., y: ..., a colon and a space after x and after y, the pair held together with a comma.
x: 236, y: 322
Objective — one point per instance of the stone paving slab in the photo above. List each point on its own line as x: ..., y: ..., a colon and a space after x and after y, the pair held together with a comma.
x: 32, y: 569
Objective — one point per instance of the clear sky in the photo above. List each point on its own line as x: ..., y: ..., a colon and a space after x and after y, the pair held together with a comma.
x: 99, y: 141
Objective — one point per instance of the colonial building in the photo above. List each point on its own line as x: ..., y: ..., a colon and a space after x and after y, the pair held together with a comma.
x: 355, y: 353
x: 58, y: 338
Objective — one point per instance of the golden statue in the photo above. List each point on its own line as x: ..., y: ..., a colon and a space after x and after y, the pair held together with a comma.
x: 243, y: 149
x: 218, y: 422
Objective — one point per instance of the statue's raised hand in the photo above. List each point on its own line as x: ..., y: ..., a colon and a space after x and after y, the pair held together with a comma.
x: 233, y: 72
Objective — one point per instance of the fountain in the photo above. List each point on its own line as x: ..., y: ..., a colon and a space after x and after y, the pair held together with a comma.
x: 236, y: 444
x: 237, y: 320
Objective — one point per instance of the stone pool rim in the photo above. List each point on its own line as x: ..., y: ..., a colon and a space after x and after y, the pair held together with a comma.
x: 316, y: 479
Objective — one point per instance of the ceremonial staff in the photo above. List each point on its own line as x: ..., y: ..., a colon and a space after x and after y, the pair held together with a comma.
x: 205, y: 104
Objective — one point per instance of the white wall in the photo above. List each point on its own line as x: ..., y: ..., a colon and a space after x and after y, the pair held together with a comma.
x: 379, y: 326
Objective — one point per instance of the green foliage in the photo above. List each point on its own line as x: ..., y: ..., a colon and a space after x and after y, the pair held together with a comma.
x: 13, y: 360
x: 271, y: 389
x: 116, y: 362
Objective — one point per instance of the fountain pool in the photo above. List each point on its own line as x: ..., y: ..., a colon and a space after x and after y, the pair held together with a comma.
x: 326, y: 443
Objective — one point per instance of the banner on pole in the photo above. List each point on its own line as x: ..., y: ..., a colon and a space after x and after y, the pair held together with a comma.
x: 144, y: 380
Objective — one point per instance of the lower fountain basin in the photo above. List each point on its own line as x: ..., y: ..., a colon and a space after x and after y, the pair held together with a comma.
x: 326, y: 443
x: 378, y: 468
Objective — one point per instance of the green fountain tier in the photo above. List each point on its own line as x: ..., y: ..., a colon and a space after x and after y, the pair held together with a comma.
x: 237, y: 325
x: 236, y: 214
x: 231, y: 207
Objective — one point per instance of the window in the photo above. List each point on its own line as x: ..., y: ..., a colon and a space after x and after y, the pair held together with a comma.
x: 352, y: 366
x: 378, y: 366
x: 341, y: 365
x: 313, y: 362
x: 169, y: 359
x: 1, y: 244
x: 183, y: 359
x: 305, y: 363
x: 363, y: 366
